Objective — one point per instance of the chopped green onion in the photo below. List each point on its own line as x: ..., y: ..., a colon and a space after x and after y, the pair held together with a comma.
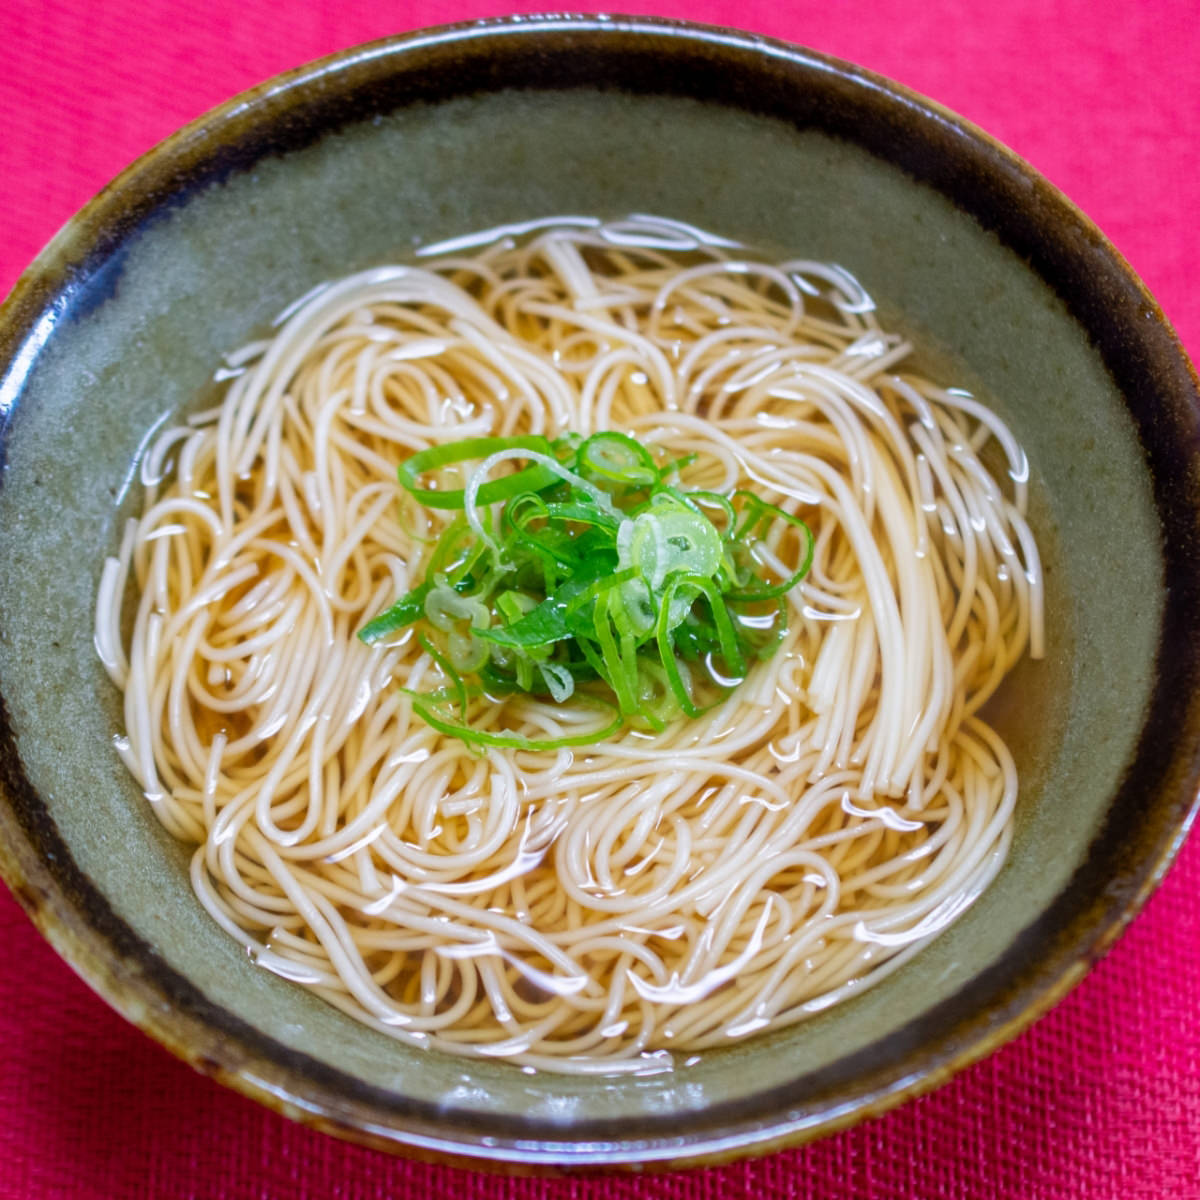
x: 533, y: 478
x: 759, y: 515
x: 616, y: 458
x: 584, y: 578
x: 404, y: 612
x: 425, y: 706
x: 460, y: 688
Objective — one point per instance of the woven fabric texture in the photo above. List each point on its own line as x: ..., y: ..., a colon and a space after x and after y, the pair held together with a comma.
x: 1102, y: 1097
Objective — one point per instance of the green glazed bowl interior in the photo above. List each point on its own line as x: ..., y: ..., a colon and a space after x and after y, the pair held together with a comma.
x: 361, y: 158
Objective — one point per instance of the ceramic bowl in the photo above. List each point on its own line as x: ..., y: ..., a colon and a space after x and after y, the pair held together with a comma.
x: 358, y: 159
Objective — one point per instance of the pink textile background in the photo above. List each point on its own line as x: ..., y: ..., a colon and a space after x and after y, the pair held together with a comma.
x: 1099, y: 1099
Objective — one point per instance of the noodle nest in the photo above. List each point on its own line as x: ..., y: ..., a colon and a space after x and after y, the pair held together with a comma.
x: 592, y: 909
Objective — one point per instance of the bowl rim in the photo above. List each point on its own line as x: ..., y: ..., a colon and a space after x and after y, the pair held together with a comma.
x: 79, y: 923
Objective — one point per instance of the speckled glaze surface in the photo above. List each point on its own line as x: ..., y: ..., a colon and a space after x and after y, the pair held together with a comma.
x: 358, y: 159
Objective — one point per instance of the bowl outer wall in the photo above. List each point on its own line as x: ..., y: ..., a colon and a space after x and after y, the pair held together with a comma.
x: 1137, y: 347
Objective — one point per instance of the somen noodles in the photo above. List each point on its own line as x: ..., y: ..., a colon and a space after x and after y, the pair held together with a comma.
x: 583, y: 907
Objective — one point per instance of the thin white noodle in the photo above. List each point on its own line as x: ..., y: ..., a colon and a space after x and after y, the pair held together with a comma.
x: 583, y: 910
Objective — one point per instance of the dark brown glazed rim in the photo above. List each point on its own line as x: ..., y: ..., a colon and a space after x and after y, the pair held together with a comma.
x: 1148, y: 817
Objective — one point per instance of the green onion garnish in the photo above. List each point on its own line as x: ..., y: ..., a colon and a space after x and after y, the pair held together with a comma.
x: 584, y: 576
